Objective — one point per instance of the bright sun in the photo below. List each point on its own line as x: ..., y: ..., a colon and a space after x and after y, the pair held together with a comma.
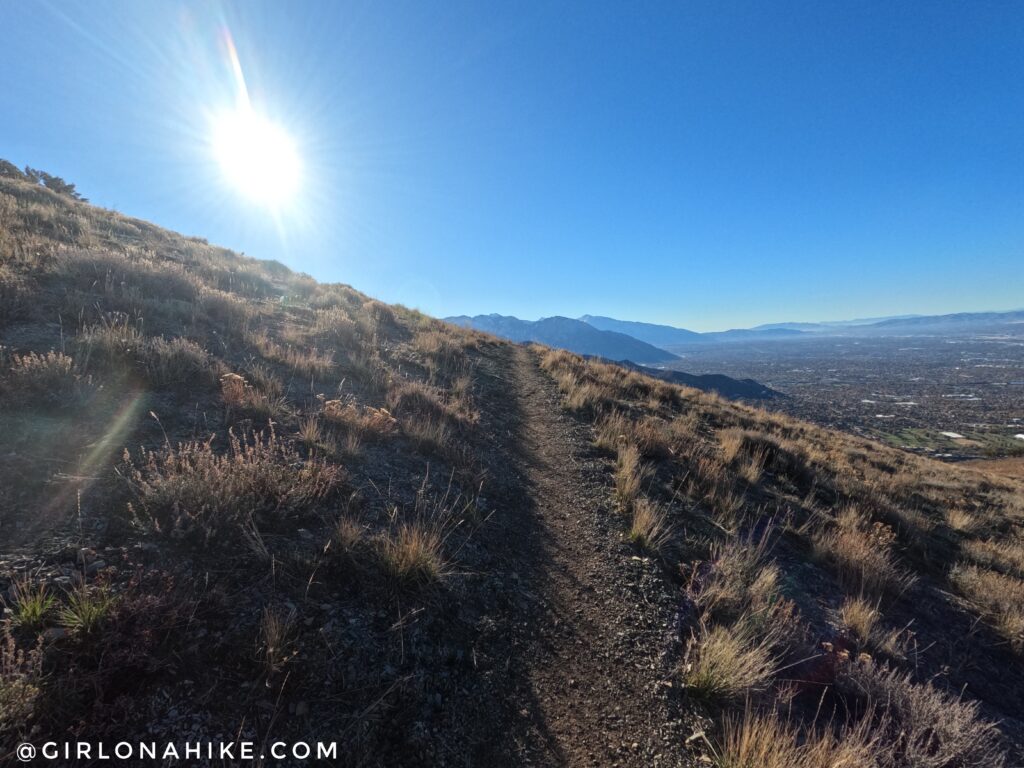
x: 257, y: 156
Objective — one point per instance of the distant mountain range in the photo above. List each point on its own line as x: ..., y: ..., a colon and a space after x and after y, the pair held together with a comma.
x: 574, y: 335
x: 959, y: 322
x: 651, y: 345
x: 667, y: 335
x: 586, y: 339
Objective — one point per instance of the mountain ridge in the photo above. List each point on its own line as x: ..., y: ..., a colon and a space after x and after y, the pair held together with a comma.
x: 568, y: 333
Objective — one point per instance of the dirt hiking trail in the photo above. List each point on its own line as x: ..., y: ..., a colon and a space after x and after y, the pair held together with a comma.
x: 589, y: 638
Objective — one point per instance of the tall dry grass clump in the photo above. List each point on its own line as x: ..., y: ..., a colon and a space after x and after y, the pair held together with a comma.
x: 363, y: 421
x: 860, y: 552
x: 238, y: 393
x: 766, y: 740
x: 630, y: 474
x: 999, y: 597
x: 727, y: 664
x: 649, y: 528
x: 413, y: 553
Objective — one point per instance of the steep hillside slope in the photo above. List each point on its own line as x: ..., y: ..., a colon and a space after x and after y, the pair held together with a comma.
x: 566, y: 333
x: 237, y: 504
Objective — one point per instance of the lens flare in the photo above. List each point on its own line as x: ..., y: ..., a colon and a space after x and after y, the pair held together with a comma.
x: 256, y: 155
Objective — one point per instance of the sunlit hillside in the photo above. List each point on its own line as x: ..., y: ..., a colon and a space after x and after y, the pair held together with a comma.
x: 236, y: 503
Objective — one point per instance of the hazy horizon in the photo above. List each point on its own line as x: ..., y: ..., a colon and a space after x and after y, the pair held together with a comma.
x: 707, y: 166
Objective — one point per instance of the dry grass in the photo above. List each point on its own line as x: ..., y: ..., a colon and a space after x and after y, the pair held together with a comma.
x: 921, y: 725
x: 192, y: 490
x: 276, y: 641
x: 630, y: 474
x: 237, y: 393
x: 756, y: 740
x: 119, y: 345
x: 14, y: 294
x: 21, y: 674
x: 727, y: 664
x: 429, y: 433
x: 860, y: 617
x: 741, y: 582
x: 861, y: 554
x: 1004, y: 555
x: 413, y: 553
x: 177, y: 361
x: 349, y: 535
x: 229, y: 313
x: 364, y: 422
x: 649, y: 528
x: 443, y: 353
x: 751, y: 452
x: 649, y: 435
x: 311, y: 432
x: 308, y: 362
x: 961, y: 521
x: 999, y: 597
x: 335, y: 326
x: 380, y: 315
x: 50, y: 379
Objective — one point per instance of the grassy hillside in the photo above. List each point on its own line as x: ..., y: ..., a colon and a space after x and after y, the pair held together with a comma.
x: 238, y: 502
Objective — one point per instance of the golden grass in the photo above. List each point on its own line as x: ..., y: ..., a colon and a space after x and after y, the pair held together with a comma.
x: 860, y: 617
x: 276, y: 640
x: 766, y: 740
x: 413, y: 553
x: 861, y: 555
x: 630, y: 474
x: 363, y: 422
x: 1003, y: 555
x: 311, y: 432
x: 726, y: 664
x: 649, y: 528
x: 999, y: 597
x: 237, y: 393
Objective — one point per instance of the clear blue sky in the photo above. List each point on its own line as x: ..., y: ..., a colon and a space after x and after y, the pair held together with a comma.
x: 709, y: 164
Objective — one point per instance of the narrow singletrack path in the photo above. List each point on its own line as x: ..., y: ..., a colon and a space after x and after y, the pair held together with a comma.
x: 589, y: 647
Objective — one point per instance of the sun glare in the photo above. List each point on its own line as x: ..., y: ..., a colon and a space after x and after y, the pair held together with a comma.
x: 256, y: 156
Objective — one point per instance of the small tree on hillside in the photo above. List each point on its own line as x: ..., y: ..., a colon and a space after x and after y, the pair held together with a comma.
x: 10, y: 171
x: 55, y: 183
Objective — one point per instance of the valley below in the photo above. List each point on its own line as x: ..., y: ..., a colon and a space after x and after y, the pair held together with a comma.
x: 953, y: 397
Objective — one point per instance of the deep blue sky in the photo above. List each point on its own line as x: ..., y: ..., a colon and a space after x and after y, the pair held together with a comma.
x: 708, y: 164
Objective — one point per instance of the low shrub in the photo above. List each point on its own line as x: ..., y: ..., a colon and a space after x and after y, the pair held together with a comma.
x: 50, y: 379
x: 192, y: 491
x: 919, y: 725
x: 20, y: 677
